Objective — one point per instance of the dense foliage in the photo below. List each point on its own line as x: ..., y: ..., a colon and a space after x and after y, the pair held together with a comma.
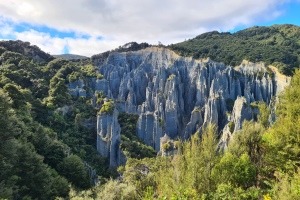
x: 47, y: 147
x: 261, y: 162
x: 46, y: 143
x: 23, y: 173
x: 48, y: 136
x: 278, y: 45
x: 24, y: 48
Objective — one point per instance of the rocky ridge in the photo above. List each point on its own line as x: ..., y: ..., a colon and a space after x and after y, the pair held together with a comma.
x: 176, y: 96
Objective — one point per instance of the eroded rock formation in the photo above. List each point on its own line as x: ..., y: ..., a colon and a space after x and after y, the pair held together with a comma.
x: 109, y: 138
x: 176, y: 95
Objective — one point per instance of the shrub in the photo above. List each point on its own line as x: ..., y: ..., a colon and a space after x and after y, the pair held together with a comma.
x: 74, y: 76
x: 167, y: 146
x: 107, y: 107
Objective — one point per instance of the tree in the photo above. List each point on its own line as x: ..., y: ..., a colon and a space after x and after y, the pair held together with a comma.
x: 264, y: 113
x: 22, y: 171
x: 189, y: 173
x: 282, y: 141
x: 249, y: 141
x: 58, y: 93
x: 73, y: 169
x: 288, y: 186
x: 16, y: 95
x: 236, y: 171
x: 7, y: 128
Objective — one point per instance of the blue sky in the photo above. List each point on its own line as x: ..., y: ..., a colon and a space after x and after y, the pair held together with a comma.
x: 88, y: 27
x: 290, y: 14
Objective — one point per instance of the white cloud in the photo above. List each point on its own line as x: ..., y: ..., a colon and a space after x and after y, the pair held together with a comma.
x: 55, y: 45
x: 6, y: 30
x: 120, y: 21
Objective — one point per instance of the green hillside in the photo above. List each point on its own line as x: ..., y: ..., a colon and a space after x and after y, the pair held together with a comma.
x: 278, y: 45
x: 47, y: 146
x: 47, y: 152
x: 42, y: 150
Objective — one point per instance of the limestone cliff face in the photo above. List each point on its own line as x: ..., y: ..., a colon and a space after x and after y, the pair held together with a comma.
x: 109, y: 138
x: 176, y: 96
x: 242, y: 111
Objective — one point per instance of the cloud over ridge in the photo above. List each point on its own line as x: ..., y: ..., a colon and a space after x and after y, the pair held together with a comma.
x: 118, y: 22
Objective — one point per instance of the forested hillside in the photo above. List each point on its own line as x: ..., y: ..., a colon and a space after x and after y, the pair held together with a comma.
x: 278, y: 45
x: 48, y: 136
x: 43, y: 149
x: 49, y: 108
